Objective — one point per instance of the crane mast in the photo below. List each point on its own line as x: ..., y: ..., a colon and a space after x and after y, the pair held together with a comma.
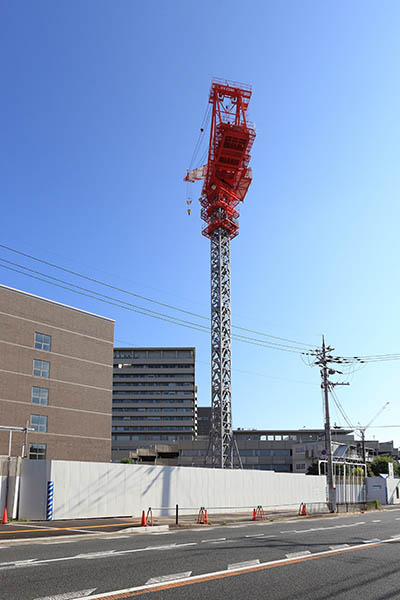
x: 226, y: 181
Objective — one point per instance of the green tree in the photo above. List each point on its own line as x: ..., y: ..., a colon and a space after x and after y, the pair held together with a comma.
x: 313, y: 469
x: 380, y: 465
x: 126, y: 461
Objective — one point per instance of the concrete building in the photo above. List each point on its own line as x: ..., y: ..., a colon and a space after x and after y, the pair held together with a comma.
x: 285, y: 451
x: 154, y: 398
x: 55, y: 376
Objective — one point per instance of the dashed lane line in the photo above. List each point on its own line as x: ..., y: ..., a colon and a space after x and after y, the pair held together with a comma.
x: 166, y: 547
x: 339, y: 546
x: 213, y: 540
x: 157, y: 587
x: 135, y: 591
x: 70, y: 595
x: 165, y: 578
x: 298, y: 554
x: 246, y: 563
x: 371, y: 541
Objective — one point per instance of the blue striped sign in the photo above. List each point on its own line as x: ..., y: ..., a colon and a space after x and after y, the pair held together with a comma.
x: 50, y: 497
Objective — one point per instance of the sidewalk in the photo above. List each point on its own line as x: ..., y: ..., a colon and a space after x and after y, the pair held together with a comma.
x: 38, y: 529
x: 32, y: 530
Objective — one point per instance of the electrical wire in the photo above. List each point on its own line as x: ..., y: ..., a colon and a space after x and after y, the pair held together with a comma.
x: 163, y: 304
x: 130, y: 344
x: 340, y: 407
x: 143, y: 311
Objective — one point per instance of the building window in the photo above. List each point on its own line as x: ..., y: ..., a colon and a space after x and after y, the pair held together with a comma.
x: 37, y: 451
x: 41, y: 368
x: 40, y: 395
x: 39, y: 423
x: 42, y: 342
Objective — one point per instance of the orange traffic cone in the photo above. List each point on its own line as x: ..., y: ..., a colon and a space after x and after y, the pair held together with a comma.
x: 205, y: 517
x: 144, y: 522
x: 254, y: 515
x: 4, y: 519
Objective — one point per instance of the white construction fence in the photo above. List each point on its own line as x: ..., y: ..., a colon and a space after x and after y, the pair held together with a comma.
x: 86, y: 490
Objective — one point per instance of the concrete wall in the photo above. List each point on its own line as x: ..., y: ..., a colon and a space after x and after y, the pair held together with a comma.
x: 387, y: 491
x: 393, y: 491
x: 33, y: 489
x: 83, y: 489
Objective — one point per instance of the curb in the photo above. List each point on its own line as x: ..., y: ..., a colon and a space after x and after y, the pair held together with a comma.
x: 54, y: 538
x: 146, y: 529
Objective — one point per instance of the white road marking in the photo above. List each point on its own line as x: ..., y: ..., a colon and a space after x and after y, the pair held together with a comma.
x: 166, y: 547
x: 70, y: 595
x: 91, y: 555
x: 34, y: 526
x: 16, y: 564
x: 298, y: 554
x: 397, y: 519
x: 59, y: 542
x: 205, y: 576
x: 396, y: 537
x: 371, y: 541
x: 247, y: 563
x: 339, y: 546
x: 82, y: 530
x: 214, y: 540
x: 188, y: 544
x: 255, y: 536
x: 269, y: 536
x: 165, y: 578
x: 121, y: 537
x: 162, y: 533
x: 376, y: 520
x: 323, y: 528
x: 235, y: 526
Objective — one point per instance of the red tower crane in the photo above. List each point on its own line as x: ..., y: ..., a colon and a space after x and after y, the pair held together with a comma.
x: 226, y: 180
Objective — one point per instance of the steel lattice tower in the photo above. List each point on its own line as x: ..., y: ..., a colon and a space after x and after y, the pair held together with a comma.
x: 226, y: 181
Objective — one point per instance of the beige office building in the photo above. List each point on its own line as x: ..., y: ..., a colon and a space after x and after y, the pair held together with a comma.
x: 56, y: 376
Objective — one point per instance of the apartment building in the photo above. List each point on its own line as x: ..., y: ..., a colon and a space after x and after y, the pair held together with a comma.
x: 154, y: 398
x: 55, y: 377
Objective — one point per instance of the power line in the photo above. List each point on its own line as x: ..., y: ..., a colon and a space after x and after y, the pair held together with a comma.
x: 129, y: 344
x: 128, y: 292
x: 141, y: 310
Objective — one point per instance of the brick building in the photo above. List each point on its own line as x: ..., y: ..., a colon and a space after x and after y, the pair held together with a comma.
x: 55, y: 376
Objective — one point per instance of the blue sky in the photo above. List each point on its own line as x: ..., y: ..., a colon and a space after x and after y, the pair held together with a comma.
x: 100, y: 109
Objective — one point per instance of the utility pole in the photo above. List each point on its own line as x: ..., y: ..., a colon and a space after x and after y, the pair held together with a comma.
x: 323, y: 359
x: 328, y: 436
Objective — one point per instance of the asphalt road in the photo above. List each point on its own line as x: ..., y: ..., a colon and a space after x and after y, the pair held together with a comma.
x: 341, y: 557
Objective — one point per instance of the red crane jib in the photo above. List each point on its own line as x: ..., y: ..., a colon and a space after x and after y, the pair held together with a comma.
x: 227, y: 176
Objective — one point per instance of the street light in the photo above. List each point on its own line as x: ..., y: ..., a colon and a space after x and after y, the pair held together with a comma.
x: 10, y: 428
